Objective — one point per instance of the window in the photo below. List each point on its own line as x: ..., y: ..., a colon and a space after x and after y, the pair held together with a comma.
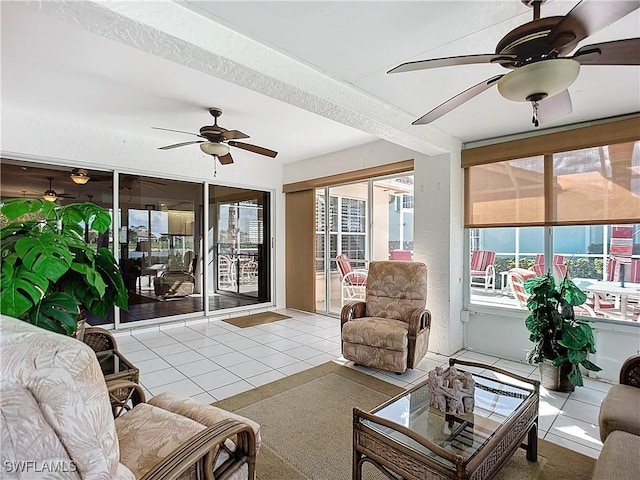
x: 583, y: 204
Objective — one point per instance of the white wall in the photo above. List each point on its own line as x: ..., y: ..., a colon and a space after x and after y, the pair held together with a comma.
x: 502, y: 332
x: 438, y: 229
x: 30, y: 136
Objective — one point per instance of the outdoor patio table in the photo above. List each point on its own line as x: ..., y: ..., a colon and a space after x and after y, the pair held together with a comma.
x: 622, y: 294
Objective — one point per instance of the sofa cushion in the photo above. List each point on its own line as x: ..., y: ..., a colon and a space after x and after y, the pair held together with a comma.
x: 620, y: 411
x: 376, y: 332
x: 619, y: 458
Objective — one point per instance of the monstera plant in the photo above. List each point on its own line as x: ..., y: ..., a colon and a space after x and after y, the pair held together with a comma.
x: 559, y: 339
x: 50, y: 275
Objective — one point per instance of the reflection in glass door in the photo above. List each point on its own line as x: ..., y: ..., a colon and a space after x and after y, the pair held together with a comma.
x: 239, y: 259
x: 160, y: 242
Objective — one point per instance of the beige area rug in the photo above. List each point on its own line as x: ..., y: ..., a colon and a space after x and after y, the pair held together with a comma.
x: 256, y: 319
x: 306, y: 424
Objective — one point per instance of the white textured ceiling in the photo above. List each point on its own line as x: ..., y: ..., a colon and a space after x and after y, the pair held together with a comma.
x: 302, y: 78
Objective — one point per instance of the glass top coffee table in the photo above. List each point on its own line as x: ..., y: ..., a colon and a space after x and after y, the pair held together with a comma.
x: 408, y: 437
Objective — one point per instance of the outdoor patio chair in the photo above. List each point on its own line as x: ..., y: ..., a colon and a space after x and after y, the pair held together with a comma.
x: 226, y: 271
x: 390, y: 329
x: 352, y: 281
x: 620, y: 251
x: 559, y: 268
x: 481, y: 267
x: 56, y: 410
x: 516, y: 278
x: 249, y: 271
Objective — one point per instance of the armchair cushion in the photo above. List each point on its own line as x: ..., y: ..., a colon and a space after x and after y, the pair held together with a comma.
x: 205, y: 414
x: 32, y: 434
x: 395, y: 289
x: 64, y: 378
x: 380, y: 332
x: 147, y: 434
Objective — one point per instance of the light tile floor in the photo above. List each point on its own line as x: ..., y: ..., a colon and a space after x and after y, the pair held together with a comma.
x: 212, y: 360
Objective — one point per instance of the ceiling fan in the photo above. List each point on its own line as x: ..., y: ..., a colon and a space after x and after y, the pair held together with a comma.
x: 536, y: 52
x: 51, y: 195
x: 217, y: 140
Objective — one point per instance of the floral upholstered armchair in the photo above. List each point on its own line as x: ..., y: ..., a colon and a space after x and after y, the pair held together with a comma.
x: 390, y: 329
x: 56, y: 414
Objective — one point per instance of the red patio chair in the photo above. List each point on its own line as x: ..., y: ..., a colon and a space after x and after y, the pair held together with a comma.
x: 559, y: 268
x: 481, y: 267
x: 620, y: 251
x: 516, y: 278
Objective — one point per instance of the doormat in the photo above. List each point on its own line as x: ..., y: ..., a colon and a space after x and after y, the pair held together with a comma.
x: 255, y: 319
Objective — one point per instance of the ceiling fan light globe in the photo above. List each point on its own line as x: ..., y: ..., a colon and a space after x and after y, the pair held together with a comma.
x: 547, y: 77
x: 80, y: 176
x: 212, y: 148
x: 50, y: 195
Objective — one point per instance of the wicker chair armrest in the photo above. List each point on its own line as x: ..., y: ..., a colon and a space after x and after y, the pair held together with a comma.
x: 419, y: 320
x: 204, y: 448
x: 99, y: 339
x: 352, y: 310
x: 124, y: 395
x: 630, y: 372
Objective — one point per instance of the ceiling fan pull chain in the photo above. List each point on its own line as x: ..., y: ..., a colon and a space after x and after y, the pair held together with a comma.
x: 534, y: 118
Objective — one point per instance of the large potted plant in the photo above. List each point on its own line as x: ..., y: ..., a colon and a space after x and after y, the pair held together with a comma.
x: 561, y: 343
x: 50, y: 275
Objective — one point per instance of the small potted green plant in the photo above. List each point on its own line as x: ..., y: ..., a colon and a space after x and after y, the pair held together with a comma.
x: 561, y: 343
x: 50, y: 275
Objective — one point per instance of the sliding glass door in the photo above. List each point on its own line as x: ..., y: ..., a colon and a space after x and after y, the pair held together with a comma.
x: 160, y: 246
x: 239, y: 246
x: 356, y: 223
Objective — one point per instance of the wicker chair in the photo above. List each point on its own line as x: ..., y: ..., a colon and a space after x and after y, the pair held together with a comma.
x: 55, y: 408
x: 390, y: 329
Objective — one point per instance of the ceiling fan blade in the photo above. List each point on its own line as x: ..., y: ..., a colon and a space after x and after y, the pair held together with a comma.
x: 234, y: 135
x: 456, y: 101
x: 453, y: 61
x: 177, y: 131
x: 585, y: 19
x: 176, y: 145
x: 254, y: 149
x: 226, y: 159
x: 617, y: 52
x: 555, y: 107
